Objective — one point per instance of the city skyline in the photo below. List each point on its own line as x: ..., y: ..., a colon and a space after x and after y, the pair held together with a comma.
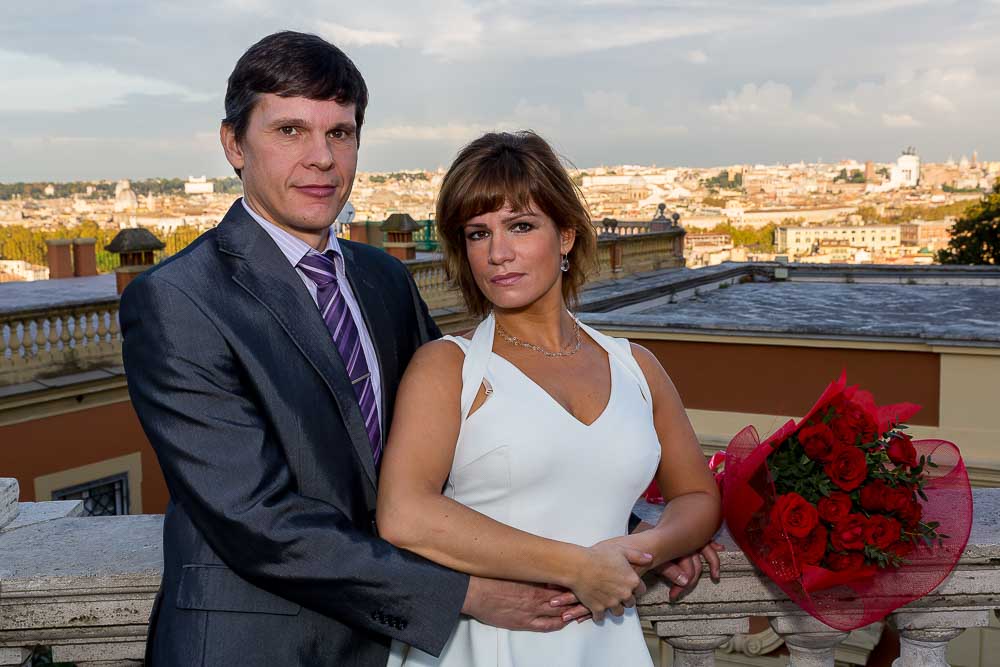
x: 92, y: 93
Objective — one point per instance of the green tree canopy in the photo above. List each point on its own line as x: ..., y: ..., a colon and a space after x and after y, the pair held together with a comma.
x: 975, y: 238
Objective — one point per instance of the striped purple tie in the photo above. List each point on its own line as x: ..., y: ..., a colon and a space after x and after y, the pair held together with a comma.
x: 333, y: 307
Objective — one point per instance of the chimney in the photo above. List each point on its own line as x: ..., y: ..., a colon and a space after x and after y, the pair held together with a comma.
x: 84, y: 257
x: 398, y: 231
x: 60, y: 259
x: 135, y: 248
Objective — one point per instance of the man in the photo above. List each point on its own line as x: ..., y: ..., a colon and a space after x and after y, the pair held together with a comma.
x: 263, y: 362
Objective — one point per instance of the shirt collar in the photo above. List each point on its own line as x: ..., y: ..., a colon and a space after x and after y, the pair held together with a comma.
x: 290, y: 245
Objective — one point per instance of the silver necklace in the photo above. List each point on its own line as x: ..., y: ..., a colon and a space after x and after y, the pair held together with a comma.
x: 517, y: 342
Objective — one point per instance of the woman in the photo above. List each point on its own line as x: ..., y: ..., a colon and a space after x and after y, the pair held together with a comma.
x: 541, y: 431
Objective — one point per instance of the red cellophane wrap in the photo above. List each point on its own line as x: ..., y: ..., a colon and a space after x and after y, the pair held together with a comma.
x: 852, y: 598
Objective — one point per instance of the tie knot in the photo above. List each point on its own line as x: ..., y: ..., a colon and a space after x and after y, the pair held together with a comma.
x: 320, y: 268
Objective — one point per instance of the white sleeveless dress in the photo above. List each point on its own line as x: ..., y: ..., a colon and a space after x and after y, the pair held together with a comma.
x: 522, y: 459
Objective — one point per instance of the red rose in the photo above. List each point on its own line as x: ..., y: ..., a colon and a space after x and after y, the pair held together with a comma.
x: 796, y: 515
x: 835, y: 507
x: 839, y: 562
x: 819, y: 442
x: 910, y: 513
x: 882, y: 531
x: 877, y: 496
x: 853, y: 423
x: 897, y: 497
x: 872, y: 496
x: 848, y: 468
x: 810, y: 550
x: 849, y: 534
x: 901, y: 450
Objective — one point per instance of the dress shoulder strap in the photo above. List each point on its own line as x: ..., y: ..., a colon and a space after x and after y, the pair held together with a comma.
x: 621, y: 350
x: 477, y: 357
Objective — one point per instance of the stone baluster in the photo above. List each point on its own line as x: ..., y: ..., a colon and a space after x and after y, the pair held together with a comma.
x: 40, y: 339
x: 924, y: 636
x: 79, y: 332
x: 115, y: 327
x: 811, y: 643
x: 53, y: 335
x: 694, y: 641
x: 64, y: 336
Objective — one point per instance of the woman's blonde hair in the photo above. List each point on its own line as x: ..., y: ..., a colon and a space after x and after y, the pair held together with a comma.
x: 514, y: 169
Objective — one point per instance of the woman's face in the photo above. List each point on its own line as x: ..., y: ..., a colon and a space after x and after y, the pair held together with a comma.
x: 515, y: 255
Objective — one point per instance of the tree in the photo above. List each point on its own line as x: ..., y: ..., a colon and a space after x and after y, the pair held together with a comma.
x: 975, y: 238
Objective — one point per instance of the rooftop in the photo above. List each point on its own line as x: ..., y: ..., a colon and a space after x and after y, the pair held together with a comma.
x: 952, y: 305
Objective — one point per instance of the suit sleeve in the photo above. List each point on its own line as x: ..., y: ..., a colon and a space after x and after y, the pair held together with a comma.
x: 224, y: 468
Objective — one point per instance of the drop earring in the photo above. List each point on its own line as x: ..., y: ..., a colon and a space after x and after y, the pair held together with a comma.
x: 564, y: 264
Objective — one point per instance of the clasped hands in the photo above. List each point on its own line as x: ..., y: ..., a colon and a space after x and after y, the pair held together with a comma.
x: 547, y: 608
x: 615, y: 581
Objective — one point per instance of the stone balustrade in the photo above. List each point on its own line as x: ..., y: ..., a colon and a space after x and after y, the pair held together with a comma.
x: 62, y: 340
x: 58, y: 340
x: 85, y: 586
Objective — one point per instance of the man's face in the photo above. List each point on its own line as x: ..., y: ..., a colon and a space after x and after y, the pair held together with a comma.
x: 297, y: 159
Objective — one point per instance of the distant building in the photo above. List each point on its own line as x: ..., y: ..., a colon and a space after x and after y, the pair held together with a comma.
x: 16, y: 269
x: 50, y: 190
x: 198, y: 186
x: 906, y: 172
x: 804, y: 240
x: 125, y: 198
x: 930, y: 234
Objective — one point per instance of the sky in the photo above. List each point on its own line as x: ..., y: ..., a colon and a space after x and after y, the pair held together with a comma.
x: 133, y: 88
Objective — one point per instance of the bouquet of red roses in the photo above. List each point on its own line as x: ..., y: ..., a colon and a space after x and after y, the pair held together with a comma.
x: 844, y: 511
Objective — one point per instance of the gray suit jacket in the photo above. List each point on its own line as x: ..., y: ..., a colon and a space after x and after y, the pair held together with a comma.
x: 270, y: 552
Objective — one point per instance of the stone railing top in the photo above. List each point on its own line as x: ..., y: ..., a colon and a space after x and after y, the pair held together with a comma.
x: 96, y: 547
x: 46, y: 294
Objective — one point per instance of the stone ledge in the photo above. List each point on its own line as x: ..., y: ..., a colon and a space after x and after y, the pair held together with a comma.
x: 32, y: 513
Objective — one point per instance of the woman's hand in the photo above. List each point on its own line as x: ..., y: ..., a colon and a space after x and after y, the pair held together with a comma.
x: 683, y: 573
x: 608, y: 576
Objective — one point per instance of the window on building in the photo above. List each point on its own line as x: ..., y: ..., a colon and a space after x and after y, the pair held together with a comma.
x: 102, y: 497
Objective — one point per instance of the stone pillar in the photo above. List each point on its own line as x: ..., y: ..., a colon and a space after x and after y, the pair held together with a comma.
x: 694, y: 642
x: 924, y: 636
x: 617, y: 254
x: 84, y: 257
x: 810, y: 642
x: 9, y: 494
x: 59, y: 258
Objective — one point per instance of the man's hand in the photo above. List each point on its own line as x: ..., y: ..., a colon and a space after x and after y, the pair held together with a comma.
x: 684, y: 573
x: 518, y: 606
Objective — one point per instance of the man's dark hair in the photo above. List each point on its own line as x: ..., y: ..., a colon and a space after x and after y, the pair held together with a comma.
x: 293, y: 64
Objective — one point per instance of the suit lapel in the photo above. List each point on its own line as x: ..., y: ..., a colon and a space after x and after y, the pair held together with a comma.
x: 380, y: 328
x: 261, y: 269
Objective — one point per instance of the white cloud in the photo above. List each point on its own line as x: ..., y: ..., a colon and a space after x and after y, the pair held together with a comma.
x: 849, y: 108
x: 346, y: 37
x: 899, y: 120
x: 40, y: 83
x: 450, y: 133
x: 696, y: 57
